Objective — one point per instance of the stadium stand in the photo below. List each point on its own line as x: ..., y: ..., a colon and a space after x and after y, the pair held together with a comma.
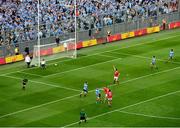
x: 18, y: 18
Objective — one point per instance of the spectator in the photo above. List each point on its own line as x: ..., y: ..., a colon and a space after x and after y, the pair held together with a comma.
x: 108, y: 35
x: 18, y: 18
x: 57, y: 40
x: 163, y: 24
x: 16, y: 50
x: 26, y: 50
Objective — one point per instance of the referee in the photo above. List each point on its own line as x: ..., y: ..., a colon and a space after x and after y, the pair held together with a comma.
x: 83, y: 116
x: 24, y: 82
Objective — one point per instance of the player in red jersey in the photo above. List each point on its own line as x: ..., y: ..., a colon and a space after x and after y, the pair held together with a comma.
x: 109, y: 98
x: 116, y: 75
x: 106, y: 90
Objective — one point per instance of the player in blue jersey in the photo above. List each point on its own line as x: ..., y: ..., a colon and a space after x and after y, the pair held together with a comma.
x: 153, y: 63
x: 171, y: 55
x: 98, y: 95
x: 85, y: 89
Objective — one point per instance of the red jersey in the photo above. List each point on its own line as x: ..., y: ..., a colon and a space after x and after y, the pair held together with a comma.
x: 116, y: 74
x: 106, y: 90
x: 109, y: 95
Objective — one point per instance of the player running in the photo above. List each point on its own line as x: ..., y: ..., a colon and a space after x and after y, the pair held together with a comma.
x: 153, y: 63
x: 83, y: 116
x: 85, y: 89
x: 106, y: 90
x: 24, y: 82
x: 98, y: 96
x: 116, y: 75
x: 171, y: 55
x: 109, y: 98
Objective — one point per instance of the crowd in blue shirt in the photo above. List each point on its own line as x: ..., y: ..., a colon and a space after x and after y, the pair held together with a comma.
x: 18, y: 18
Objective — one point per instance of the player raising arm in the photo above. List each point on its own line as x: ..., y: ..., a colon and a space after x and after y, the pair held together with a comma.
x: 85, y: 89
x: 116, y: 75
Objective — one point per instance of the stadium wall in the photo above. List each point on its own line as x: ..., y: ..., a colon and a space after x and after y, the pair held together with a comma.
x: 93, y: 42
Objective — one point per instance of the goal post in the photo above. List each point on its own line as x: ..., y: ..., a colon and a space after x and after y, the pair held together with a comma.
x: 53, y: 51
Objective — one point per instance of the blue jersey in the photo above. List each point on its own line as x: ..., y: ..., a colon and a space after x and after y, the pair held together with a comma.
x: 171, y: 53
x: 97, y: 92
x: 85, y: 88
x: 153, y: 60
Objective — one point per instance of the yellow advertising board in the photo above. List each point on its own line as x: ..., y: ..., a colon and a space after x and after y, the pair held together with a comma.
x: 89, y: 43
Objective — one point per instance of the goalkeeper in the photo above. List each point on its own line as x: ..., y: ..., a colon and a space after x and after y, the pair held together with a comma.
x: 43, y: 64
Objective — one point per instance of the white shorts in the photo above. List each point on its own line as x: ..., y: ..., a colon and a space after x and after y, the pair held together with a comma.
x: 116, y: 78
x: 106, y: 95
x: 171, y: 57
x: 109, y: 99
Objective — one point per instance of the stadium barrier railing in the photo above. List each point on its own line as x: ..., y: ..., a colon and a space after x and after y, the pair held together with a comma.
x: 93, y: 42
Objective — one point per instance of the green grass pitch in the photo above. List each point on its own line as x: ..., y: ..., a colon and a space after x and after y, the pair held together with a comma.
x: 143, y: 98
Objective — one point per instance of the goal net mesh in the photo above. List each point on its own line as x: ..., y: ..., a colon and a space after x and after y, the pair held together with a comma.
x: 66, y: 48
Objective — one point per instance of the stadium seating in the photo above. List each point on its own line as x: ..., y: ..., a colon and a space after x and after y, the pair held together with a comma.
x: 18, y: 18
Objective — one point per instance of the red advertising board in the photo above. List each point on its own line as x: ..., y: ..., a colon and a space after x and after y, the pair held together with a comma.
x: 115, y: 37
x: 79, y: 45
x: 101, y: 40
x: 2, y: 61
x: 174, y: 25
x: 140, y: 32
x: 45, y: 52
x: 71, y: 46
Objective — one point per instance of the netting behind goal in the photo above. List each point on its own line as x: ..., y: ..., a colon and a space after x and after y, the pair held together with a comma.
x: 54, y: 51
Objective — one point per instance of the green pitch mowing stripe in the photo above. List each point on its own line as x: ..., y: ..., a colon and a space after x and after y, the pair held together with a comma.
x: 151, y: 116
x: 145, y: 57
x: 38, y: 82
x: 103, y: 52
x: 42, y: 105
x: 119, y: 109
x: 59, y: 72
x: 53, y: 101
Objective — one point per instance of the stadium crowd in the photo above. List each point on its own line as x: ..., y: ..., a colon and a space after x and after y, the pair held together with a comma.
x: 18, y: 18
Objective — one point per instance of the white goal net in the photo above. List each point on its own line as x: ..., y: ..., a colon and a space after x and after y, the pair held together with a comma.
x: 66, y: 48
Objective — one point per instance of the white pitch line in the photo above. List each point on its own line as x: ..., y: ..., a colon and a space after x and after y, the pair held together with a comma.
x: 35, y: 81
x: 144, y: 57
x: 38, y: 106
x: 26, y: 73
x: 58, y: 73
x: 151, y: 116
x: 108, y: 56
x: 55, y: 101
x: 102, y: 52
x: 109, y: 51
x: 132, y: 105
x: 52, y: 85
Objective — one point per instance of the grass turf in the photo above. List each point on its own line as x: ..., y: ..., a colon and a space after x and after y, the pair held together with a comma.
x: 143, y: 98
